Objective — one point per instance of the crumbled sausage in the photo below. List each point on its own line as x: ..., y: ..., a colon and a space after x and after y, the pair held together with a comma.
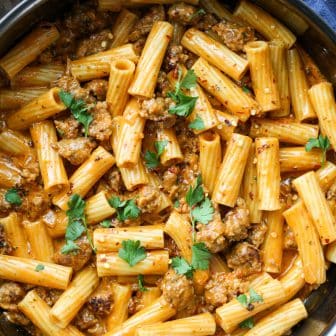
x: 287, y: 192
x: 183, y: 13
x: 17, y: 318
x: 101, y: 126
x: 212, y: 234
x: 163, y: 85
x: 145, y: 24
x: 171, y: 246
x: 114, y: 180
x: 76, y: 151
x: 245, y: 259
x: 35, y: 203
x: 289, y: 238
x: 85, y: 319
x: 48, y: 295
x: 5, y: 245
x: 78, y: 259
x: 234, y: 35
x: 257, y: 234
x: 97, y: 88
x: 169, y: 180
x: 30, y: 168
x: 67, y: 128
x: 157, y: 109
x: 135, y: 303
x: 207, y: 21
x: 236, y: 223
x: 148, y: 199
x: 5, y: 207
x: 101, y: 300
x: 11, y: 293
x: 175, y: 55
x: 223, y: 287
x: 94, y: 43
x: 177, y: 290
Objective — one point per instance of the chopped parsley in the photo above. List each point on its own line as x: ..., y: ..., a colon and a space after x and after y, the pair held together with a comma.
x: 106, y: 223
x: 247, y: 324
x: 246, y: 89
x: 153, y: 158
x: 12, y: 197
x: 204, y: 212
x: 176, y: 203
x: 39, y: 267
x: 125, y: 209
x: 197, y: 124
x: 76, y: 224
x: 181, y: 266
x: 184, y: 104
x: 247, y: 302
x: 199, y: 12
x: 78, y: 108
x: 322, y: 143
x: 132, y: 252
x: 141, y: 285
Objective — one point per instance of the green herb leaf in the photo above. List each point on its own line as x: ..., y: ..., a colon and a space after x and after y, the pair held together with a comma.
x: 132, y: 252
x: 69, y: 247
x: 39, y: 268
x: 78, y: 109
x: 246, y: 89
x: 181, y: 266
x: 142, y: 288
x: 254, y: 296
x: 106, y: 223
x: 200, y: 256
x: 125, y: 209
x: 200, y: 12
x: 321, y: 142
x: 153, y: 159
x: 197, y: 124
x: 12, y: 197
x: 160, y: 146
x: 196, y: 194
x: 176, y: 203
x: 247, y: 324
x: 203, y: 213
x: 242, y: 299
x: 189, y: 81
x: 74, y: 230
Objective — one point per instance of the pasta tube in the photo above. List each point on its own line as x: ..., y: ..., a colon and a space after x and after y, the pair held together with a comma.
x: 10, y: 175
x: 172, y: 152
x: 14, y: 143
x: 197, y: 325
x: 40, y: 242
x: 272, y: 246
x: 215, y: 7
x: 264, y: 23
x: 98, y: 65
x: 313, y: 197
x: 263, y: 79
x: 310, y: 249
x: 151, y: 60
x: 74, y: 297
x: 109, y: 240
x: 227, y: 124
x: 119, y: 313
x: 121, y: 75
x: 215, y: 53
x: 302, y: 107
x: 279, y: 64
x: 286, y: 130
x: 56, y: 223
x: 280, y: 321
x: 148, y: 296
x: 322, y: 98
x: 24, y: 270
x: 39, y: 109
x: 268, y: 173
x: 28, y: 49
x: 210, y: 156
x: 15, y: 234
x: 122, y: 27
x: 37, y: 310
x: 225, y: 90
x: 250, y: 187
x: 294, y: 159
x: 111, y: 264
x: 326, y: 175
x: 232, y: 169
x: 232, y: 313
x: 97, y: 208
x: 51, y: 164
x: 84, y: 178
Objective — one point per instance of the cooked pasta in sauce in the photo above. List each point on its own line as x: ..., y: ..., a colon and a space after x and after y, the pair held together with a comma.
x: 164, y: 170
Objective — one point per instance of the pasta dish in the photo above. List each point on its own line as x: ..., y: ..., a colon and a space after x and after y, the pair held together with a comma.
x: 166, y: 168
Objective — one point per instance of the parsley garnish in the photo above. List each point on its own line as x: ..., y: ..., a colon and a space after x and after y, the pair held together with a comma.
x: 39, y: 268
x: 246, y: 89
x: 199, y: 261
x: 78, y: 109
x: 132, y: 252
x: 203, y: 213
x: 184, y: 104
x: 197, y: 124
x: 247, y: 301
x: 199, y: 12
x: 106, y: 223
x: 196, y: 194
x: 176, y: 203
x: 76, y: 224
x: 142, y: 288
x: 322, y: 143
x: 247, y: 324
x: 153, y: 159
x: 125, y: 209
x: 12, y: 197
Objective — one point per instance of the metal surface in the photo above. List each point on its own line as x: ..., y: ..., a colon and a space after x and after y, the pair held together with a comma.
x: 319, y: 40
